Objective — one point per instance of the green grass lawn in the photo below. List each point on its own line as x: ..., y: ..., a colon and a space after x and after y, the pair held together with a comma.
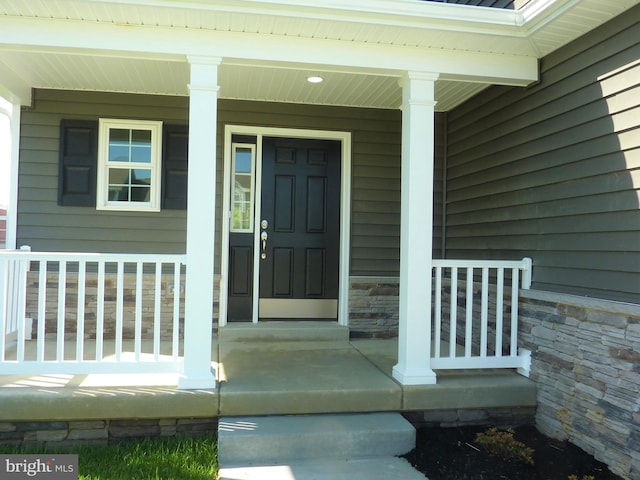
x: 179, y: 458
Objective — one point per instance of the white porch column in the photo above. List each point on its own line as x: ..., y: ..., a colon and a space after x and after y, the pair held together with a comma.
x: 198, y: 310
x: 416, y: 230
x: 9, y: 154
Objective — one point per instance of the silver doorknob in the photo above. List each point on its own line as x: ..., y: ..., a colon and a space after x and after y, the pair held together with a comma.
x: 263, y: 241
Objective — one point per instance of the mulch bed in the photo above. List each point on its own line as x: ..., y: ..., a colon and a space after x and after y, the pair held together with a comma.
x: 454, y: 454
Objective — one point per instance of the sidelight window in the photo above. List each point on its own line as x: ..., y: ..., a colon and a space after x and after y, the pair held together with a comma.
x: 242, y: 187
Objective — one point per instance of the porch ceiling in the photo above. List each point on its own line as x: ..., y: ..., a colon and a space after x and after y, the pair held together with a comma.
x: 125, y: 46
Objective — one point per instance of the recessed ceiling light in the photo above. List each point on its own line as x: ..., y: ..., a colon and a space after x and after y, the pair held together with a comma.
x: 315, y: 79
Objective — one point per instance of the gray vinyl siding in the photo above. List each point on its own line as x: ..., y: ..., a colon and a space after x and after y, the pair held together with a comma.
x: 553, y: 171
x: 439, y: 179
x: 46, y: 226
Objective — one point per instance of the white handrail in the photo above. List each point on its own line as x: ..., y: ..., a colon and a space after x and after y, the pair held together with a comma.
x: 523, y: 264
x: 92, y: 257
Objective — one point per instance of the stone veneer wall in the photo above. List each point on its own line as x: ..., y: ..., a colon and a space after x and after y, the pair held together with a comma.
x: 373, y: 307
x: 374, y: 302
x: 99, y: 432
x: 110, y: 305
x: 586, y: 364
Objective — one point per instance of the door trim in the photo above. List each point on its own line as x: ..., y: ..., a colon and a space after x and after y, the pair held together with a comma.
x: 345, y: 211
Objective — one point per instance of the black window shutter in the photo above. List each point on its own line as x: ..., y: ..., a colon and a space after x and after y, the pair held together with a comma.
x: 174, y: 166
x: 78, y: 163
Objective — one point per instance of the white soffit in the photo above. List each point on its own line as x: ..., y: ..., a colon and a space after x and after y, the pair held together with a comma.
x: 89, y: 73
x: 535, y: 30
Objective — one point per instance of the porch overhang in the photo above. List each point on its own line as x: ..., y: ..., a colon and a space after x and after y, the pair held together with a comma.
x: 131, y: 47
x: 138, y: 59
x: 141, y: 46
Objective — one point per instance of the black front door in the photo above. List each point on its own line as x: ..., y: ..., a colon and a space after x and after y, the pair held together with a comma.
x: 299, y: 229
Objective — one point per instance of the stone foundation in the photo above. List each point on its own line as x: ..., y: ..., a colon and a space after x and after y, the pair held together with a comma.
x: 99, y: 432
x: 68, y: 434
x: 499, y: 417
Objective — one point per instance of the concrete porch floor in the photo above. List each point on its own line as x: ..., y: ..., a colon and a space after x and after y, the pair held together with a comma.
x: 279, y: 376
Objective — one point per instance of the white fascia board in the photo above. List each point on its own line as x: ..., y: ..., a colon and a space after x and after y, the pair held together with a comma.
x: 170, y: 43
x: 537, y: 14
x: 544, y: 11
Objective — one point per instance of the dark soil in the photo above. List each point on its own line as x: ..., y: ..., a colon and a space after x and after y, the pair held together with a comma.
x: 454, y: 454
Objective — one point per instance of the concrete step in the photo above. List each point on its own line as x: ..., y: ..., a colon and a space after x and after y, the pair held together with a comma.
x: 387, y: 468
x: 285, y: 331
x: 284, y: 440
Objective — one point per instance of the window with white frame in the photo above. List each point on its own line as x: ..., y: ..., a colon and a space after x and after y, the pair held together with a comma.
x: 129, y: 163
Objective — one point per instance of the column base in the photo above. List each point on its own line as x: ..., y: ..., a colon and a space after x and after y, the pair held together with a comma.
x: 197, y: 382
x: 414, y: 376
x: 525, y: 369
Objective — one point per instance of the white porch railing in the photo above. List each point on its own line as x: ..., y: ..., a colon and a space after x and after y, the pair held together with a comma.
x: 475, y: 321
x: 122, y: 313
x: 93, y: 313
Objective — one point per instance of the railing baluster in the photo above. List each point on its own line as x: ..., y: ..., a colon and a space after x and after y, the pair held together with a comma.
x: 10, y: 304
x: 157, y: 310
x: 514, y: 311
x: 82, y: 284
x: 499, y: 310
x: 484, y: 312
x: 62, y: 309
x: 21, y: 308
x: 138, y: 315
x: 13, y: 294
x: 42, y: 310
x: 438, y: 311
x: 100, y: 311
x: 453, y: 313
x: 469, y: 314
x: 119, y: 308
x: 4, y: 307
x: 177, y: 285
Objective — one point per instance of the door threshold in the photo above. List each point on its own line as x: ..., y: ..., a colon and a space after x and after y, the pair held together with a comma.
x: 287, y: 331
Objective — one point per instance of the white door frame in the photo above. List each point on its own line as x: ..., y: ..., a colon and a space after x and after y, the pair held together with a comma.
x: 345, y: 211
